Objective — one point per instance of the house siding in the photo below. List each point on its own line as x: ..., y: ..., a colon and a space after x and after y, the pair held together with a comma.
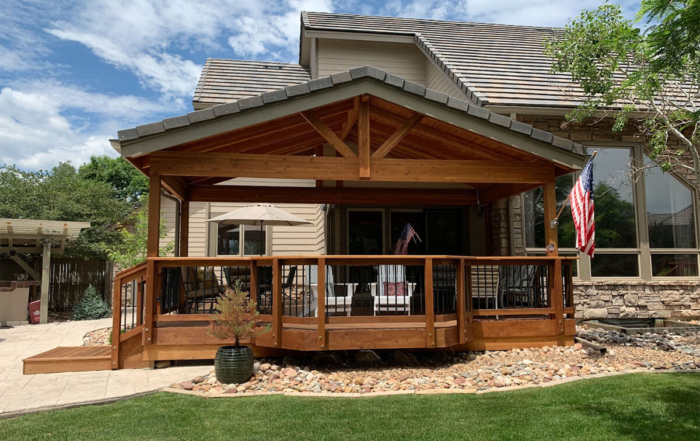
x: 436, y: 79
x: 402, y: 59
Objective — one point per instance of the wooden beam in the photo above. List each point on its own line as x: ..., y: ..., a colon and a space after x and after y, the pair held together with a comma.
x: 321, y: 314
x: 397, y: 137
x: 326, y: 168
x: 328, y: 134
x: 153, y: 244
x: 28, y: 269
x: 319, y: 153
x: 184, y: 228
x: 496, y: 192
x: 363, y: 140
x: 333, y: 195
x: 352, y: 119
x: 429, y: 305
x: 176, y: 185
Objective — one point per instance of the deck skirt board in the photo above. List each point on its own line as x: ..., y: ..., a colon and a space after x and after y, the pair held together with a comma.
x: 69, y: 359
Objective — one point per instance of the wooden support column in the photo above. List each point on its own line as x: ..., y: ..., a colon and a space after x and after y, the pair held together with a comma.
x: 184, y: 227
x: 461, y: 305
x: 363, y: 140
x: 276, y: 303
x: 153, y: 244
x: 429, y: 305
x: 116, y: 321
x: 550, y: 212
x: 557, y: 294
x: 45, y: 275
x: 321, y: 314
x: 254, y: 281
x: 151, y: 296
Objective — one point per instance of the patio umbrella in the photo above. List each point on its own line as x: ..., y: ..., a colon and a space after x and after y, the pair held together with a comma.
x: 259, y: 214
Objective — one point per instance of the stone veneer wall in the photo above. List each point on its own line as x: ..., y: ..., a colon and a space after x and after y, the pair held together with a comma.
x: 599, y: 299
x: 637, y: 299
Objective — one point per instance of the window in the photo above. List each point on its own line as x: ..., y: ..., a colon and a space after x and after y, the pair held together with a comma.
x: 623, y: 205
x: 366, y: 232
x: 230, y: 236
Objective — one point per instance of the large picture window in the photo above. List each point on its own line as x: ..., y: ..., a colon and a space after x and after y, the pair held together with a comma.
x: 645, y: 222
x: 230, y: 237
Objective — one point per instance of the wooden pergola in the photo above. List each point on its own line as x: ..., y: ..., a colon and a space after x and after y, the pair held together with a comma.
x: 31, y: 236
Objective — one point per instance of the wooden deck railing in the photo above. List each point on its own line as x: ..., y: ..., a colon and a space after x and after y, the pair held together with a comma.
x: 322, y: 293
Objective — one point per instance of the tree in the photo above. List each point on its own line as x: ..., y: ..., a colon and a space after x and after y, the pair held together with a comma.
x: 127, y: 182
x: 91, y: 306
x: 61, y: 194
x: 236, y: 316
x: 131, y: 249
x: 653, y: 75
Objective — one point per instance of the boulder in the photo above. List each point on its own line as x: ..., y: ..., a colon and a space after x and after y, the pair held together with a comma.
x: 367, y: 357
x: 595, y: 313
x: 162, y: 364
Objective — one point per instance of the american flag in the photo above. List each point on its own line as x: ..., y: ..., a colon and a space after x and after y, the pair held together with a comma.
x: 407, y: 235
x: 582, y: 210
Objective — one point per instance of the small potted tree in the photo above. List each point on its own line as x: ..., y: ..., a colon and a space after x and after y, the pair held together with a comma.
x: 236, y: 320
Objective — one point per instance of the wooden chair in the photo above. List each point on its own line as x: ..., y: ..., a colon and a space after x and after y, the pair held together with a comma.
x: 518, y: 286
x: 201, y: 289
x: 392, y: 303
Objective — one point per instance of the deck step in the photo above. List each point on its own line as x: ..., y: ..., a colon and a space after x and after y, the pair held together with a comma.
x: 69, y: 359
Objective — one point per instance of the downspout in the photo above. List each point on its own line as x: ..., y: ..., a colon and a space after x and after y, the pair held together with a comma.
x: 176, y: 252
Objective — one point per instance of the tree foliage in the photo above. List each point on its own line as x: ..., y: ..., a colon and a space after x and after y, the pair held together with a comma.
x: 131, y: 249
x: 127, y: 182
x: 62, y: 194
x: 237, y: 316
x: 91, y: 306
x: 653, y: 76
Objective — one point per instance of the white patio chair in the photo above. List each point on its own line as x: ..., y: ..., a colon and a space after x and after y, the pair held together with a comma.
x: 382, y: 301
x: 334, y: 303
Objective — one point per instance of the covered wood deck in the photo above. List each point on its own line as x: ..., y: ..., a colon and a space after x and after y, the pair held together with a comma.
x: 456, y: 303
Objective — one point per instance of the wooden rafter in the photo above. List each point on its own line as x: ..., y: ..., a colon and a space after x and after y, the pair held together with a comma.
x: 397, y: 137
x: 328, y: 134
x: 352, y: 119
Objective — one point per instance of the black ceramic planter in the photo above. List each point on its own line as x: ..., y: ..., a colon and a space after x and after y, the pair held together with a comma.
x: 234, y: 364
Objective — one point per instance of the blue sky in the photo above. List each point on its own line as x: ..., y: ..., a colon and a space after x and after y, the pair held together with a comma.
x: 72, y: 73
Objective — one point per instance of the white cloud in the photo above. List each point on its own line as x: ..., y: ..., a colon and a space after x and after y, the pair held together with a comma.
x: 143, y: 36
x: 48, y: 122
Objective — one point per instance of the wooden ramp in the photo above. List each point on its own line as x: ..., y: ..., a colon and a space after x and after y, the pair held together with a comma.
x: 69, y: 359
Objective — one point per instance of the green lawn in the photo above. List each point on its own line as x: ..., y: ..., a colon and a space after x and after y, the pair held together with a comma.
x: 628, y: 407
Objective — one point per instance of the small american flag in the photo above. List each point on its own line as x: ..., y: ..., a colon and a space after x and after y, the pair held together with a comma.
x: 582, y: 210
x: 408, y: 234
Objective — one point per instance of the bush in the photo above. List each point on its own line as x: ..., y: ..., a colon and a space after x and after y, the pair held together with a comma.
x: 91, y: 306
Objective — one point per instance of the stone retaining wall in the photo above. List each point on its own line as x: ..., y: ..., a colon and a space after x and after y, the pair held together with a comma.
x: 637, y: 299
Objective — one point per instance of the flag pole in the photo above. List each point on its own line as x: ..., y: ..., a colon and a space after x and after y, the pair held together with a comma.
x: 595, y: 152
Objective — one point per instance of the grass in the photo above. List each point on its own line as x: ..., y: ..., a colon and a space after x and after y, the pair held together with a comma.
x: 628, y: 407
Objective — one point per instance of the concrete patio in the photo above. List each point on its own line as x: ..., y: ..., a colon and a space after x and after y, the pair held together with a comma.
x: 20, y: 392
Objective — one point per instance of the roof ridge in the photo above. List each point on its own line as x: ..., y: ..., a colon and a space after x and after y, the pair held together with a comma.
x: 427, y: 20
x: 256, y: 61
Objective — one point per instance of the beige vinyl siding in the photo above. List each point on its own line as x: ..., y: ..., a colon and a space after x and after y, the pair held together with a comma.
x: 402, y: 59
x: 320, y: 230
x: 438, y: 80
x: 303, y: 239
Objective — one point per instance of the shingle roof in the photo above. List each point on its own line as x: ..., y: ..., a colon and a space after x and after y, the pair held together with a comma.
x: 337, y: 80
x: 224, y: 81
x: 493, y: 63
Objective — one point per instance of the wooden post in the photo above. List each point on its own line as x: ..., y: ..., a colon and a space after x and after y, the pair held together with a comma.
x: 153, y: 216
x: 461, y: 306
x: 254, y: 281
x: 468, y: 295
x: 557, y: 293
x: 140, y: 294
x: 429, y: 305
x: 151, y: 295
x: 45, y: 276
x: 184, y: 228
x: 363, y: 140
x: 550, y: 212
x: 116, y: 321
x: 276, y: 303
x: 321, y: 315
